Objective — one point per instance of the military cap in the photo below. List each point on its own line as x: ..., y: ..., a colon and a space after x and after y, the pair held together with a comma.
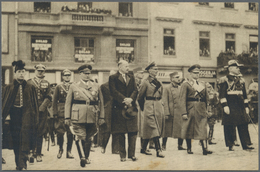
x: 138, y: 70
x: 85, y: 67
x: 233, y: 63
x: 174, y: 74
x: 194, y: 68
x: 53, y: 84
x: 152, y: 64
x: 66, y: 72
x: 19, y: 65
x: 40, y: 67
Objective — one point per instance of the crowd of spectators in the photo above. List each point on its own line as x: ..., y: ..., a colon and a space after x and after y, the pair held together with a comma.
x: 253, y: 7
x: 42, y: 55
x: 229, y: 4
x: 204, y: 52
x: 169, y: 51
x: 42, y: 9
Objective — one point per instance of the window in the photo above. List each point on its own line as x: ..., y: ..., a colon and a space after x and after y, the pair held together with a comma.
x: 204, y: 44
x: 125, y: 50
x: 204, y: 3
x: 41, y: 49
x: 253, y: 43
x: 126, y: 9
x: 229, y: 4
x: 252, y: 7
x: 168, y: 42
x: 84, y: 50
x: 43, y: 7
x: 230, y: 42
x: 85, y: 6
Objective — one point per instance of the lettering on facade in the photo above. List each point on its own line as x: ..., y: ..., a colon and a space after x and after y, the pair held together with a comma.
x: 208, y: 74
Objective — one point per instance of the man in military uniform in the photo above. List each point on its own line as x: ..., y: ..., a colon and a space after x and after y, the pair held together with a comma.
x: 59, y: 99
x: 44, y: 97
x: 173, y: 120
x: 150, y: 103
x: 233, y: 98
x: 83, y: 103
x: 19, y: 99
x: 193, y: 108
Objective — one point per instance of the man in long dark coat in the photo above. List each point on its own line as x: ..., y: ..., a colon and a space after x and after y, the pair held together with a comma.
x: 233, y: 98
x: 124, y: 92
x: 19, y: 99
x: 44, y: 98
x: 149, y: 99
x: 173, y: 120
x: 193, y: 108
x: 105, y: 129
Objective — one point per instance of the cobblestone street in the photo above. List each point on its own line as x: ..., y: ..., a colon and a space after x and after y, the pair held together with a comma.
x: 221, y: 159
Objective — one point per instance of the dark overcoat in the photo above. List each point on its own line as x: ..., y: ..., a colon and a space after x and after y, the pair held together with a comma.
x: 30, y: 113
x: 108, y: 100
x: 120, y: 90
x: 236, y: 98
x: 152, y: 122
x: 171, y: 109
x: 195, y: 127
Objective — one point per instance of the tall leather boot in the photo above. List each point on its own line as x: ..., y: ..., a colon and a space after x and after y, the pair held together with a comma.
x: 204, y: 147
x: 60, y: 141
x: 164, y: 141
x: 158, y: 147
x: 87, y: 150
x: 69, y: 146
x: 211, y: 135
x: 188, y: 142
x: 80, y: 148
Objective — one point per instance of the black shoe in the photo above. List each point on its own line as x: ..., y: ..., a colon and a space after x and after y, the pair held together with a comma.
x: 145, y: 152
x: 212, y: 143
x: 236, y: 144
x: 205, y: 152
x: 163, y: 147
x: 133, y: 158
x: 230, y: 148
x: 250, y: 144
x: 39, y: 158
x: 189, y: 151
x: 159, y: 154
x: 3, y: 161
x: 103, y: 150
x: 123, y: 159
x: 69, y: 155
x: 181, y: 148
x: 82, y: 162
x: 248, y: 148
x: 60, y: 153
x: 87, y: 161
x: 95, y: 145
x: 53, y: 144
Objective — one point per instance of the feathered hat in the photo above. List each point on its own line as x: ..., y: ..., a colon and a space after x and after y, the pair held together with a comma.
x: 18, y: 65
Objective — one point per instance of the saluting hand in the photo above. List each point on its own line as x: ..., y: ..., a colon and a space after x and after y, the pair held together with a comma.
x: 226, y: 110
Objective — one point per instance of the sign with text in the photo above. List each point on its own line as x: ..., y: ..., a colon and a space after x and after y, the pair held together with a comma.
x: 208, y: 74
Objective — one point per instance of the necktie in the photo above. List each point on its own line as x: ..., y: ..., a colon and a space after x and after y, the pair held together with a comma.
x: 123, y: 75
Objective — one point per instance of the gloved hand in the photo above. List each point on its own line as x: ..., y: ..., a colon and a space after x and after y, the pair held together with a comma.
x: 41, y: 108
x: 101, y: 121
x: 247, y: 110
x: 226, y: 110
x: 185, y: 117
x: 67, y: 122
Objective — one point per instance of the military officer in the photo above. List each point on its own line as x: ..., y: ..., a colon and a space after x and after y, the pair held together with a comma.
x: 83, y: 103
x: 59, y: 99
x: 44, y: 98
x: 173, y: 120
x: 233, y: 98
x: 193, y: 108
x: 150, y: 103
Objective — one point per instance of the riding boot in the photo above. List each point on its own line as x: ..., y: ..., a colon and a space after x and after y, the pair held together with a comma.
x: 69, y: 146
x: 204, y: 147
x: 164, y: 143
x: 188, y: 142
x: 158, y: 147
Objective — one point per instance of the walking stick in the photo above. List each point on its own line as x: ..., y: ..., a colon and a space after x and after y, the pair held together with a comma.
x: 252, y: 123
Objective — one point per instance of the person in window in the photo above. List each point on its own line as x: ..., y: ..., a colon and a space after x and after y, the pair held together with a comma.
x: 232, y: 49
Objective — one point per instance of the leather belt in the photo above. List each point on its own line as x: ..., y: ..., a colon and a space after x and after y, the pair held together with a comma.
x: 84, y: 102
x: 153, y: 98
x: 190, y: 99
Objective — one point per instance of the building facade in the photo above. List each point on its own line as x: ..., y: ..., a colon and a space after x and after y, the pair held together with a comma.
x: 64, y: 35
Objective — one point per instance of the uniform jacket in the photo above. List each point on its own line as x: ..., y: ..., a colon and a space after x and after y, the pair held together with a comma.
x: 171, y: 109
x: 84, y: 113
x: 59, y: 98
x: 120, y: 90
x: 108, y: 100
x: 153, y: 112
x: 232, y: 93
x: 30, y: 114
x: 196, y: 125
x: 44, y: 97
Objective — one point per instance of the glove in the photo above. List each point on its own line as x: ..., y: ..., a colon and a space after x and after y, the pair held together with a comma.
x: 67, y: 122
x: 226, y: 110
x: 101, y: 121
x: 41, y: 108
x: 185, y: 117
x: 247, y: 110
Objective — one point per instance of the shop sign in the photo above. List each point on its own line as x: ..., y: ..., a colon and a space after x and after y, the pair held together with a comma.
x: 208, y: 74
x: 84, y: 54
x: 41, y: 49
x: 125, y: 50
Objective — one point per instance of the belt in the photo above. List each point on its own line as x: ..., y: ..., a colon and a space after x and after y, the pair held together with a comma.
x: 153, y: 98
x: 17, y: 106
x: 190, y: 99
x: 236, y: 92
x: 84, y: 102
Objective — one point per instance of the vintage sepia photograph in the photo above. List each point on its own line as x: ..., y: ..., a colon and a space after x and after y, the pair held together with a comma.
x: 129, y: 85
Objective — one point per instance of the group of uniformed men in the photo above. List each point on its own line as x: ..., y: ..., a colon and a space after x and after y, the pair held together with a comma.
x: 125, y: 104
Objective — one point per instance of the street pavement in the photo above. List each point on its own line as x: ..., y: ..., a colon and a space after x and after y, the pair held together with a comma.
x: 221, y: 159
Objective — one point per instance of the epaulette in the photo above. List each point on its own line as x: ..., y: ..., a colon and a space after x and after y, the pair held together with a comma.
x: 222, y: 79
